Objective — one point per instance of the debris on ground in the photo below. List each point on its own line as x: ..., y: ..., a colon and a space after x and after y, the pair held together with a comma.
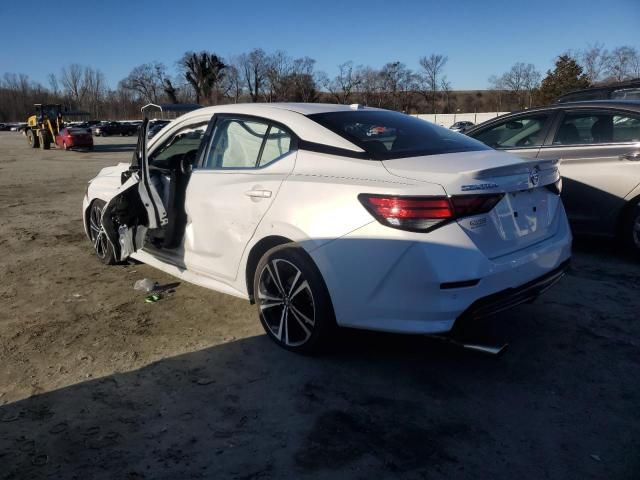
x: 145, y: 285
x: 152, y: 298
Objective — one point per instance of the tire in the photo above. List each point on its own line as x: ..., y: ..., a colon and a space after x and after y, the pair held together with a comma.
x: 43, y: 138
x: 631, y: 229
x: 32, y: 139
x: 101, y: 246
x: 293, y: 302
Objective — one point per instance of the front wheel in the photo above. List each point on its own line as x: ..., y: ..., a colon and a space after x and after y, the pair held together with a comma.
x: 101, y: 246
x: 293, y: 302
x: 32, y: 139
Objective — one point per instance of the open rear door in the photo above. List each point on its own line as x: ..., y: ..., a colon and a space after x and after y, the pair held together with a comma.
x: 137, y: 207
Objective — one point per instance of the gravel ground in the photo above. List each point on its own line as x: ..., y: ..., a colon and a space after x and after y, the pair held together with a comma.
x: 96, y: 383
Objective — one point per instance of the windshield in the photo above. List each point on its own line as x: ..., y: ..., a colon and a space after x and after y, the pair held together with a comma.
x: 385, y: 135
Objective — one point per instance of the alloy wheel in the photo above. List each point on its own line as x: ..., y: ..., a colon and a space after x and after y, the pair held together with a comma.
x: 286, y: 302
x: 97, y: 233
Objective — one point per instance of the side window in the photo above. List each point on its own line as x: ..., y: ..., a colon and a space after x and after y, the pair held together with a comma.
x: 277, y: 144
x: 514, y: 133
x: 584, y: 128
x: 626, y: 129
x: 185, y: 141
x: 593, y: 128
x: 236, y: 143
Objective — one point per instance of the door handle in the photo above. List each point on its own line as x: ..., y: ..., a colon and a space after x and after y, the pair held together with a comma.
x: 631, y: 156
x: 258, y: 193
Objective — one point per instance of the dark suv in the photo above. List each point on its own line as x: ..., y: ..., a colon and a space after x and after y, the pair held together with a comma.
x: 115, y: 128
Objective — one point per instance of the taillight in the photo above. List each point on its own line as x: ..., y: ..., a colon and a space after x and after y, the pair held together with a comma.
x: 423, y: 214
x: 467, y: 205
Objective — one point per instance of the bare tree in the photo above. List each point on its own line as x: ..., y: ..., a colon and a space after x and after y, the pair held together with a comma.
x: 71, y: 78
x: 432, y: 72
x: 53, y: 84
x: 445, y: 87
x: 94, y: 86
x: 522, y: 79
x: 623, y: 63
x: 304, y: 80
x: 253, y: 67
x: 497, y: 86
x: 344, y: 83
x: 371, y: 86
x: 147, y: 80
x: 594, y: 61
x: 398, y: 82
x: 233, y: 82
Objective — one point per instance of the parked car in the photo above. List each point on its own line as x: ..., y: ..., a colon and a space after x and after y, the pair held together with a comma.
x: 629, y: 90
x: 284, y: 205
x: 74, y: 137
x: 5, y: 127
x: 461, y: 126
x: 598, y: 144
x: 114, y: 128
x: 155, y: 126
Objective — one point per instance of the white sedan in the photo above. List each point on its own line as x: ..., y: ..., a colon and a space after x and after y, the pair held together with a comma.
x: 301, y: 210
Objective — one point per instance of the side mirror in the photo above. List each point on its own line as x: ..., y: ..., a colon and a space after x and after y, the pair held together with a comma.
x: 514, y: 125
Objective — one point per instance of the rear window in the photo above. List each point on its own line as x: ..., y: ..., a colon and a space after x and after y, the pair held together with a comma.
x: 385, y: 135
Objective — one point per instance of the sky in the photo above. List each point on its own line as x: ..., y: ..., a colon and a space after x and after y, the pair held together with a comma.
x: 480, y: 38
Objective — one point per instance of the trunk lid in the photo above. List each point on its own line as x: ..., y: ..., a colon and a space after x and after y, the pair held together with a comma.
x: 527, y: 212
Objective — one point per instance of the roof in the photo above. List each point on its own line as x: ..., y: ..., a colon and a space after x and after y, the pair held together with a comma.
x: 173, y: 107
x: 606, y: 89
x: 293, y: 115
x: 628, y: 104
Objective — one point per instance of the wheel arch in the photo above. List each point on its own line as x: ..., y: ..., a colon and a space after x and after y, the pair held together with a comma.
x: 256, y: 253
x: 625, y: 211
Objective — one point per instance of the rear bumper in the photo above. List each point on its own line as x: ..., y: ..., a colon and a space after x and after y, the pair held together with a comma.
x: 511, y: 297
x: 389, y: 280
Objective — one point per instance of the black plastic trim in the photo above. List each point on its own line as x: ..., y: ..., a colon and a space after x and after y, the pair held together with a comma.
x: 512, y: 297
x: 462, y: 284
x: 328, y: 149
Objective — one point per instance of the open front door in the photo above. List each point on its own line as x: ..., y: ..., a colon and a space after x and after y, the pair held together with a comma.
x: 137, y: 206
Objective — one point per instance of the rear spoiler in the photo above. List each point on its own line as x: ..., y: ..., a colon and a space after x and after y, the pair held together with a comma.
x: 546, y: 167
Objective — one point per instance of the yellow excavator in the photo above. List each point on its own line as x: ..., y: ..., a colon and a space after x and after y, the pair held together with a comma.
x: 43, y: 127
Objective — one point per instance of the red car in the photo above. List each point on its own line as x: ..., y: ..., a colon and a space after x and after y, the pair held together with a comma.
x: 74, y: 137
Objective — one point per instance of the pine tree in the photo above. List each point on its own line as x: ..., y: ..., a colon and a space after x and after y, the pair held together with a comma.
x: 566, y: 77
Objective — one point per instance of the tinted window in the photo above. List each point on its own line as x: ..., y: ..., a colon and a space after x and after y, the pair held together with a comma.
x: 385, y: 135
x: 277, y: 143
x: 515, y: 132
x: 593, y: 128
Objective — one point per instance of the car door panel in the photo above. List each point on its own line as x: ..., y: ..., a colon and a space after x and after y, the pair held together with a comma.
x: 595, y: 183
x: 224, y: 209
x: 596, y: 176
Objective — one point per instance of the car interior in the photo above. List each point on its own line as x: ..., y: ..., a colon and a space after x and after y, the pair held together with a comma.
x: 169, y: 168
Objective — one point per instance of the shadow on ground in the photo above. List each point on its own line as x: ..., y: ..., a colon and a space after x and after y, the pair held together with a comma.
x: 378, y: 406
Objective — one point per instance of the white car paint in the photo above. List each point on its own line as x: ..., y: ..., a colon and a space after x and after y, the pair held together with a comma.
x: 378, y: 277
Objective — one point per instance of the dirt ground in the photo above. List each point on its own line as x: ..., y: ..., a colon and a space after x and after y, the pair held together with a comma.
x: 97, y: 384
